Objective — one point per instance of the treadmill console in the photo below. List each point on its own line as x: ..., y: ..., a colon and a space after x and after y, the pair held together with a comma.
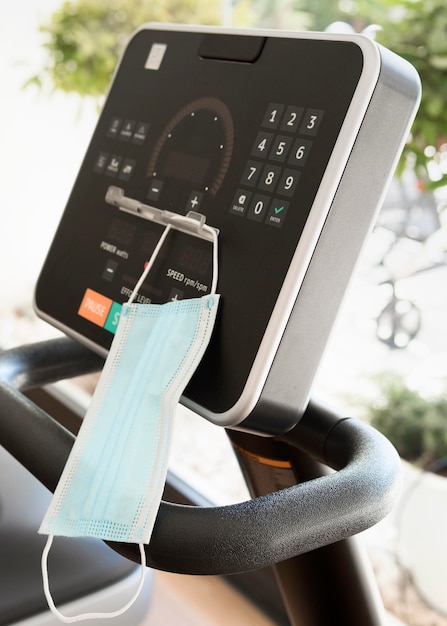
x: 258, y: 133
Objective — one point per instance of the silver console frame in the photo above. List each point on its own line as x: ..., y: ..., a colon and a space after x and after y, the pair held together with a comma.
x: 350, y: 195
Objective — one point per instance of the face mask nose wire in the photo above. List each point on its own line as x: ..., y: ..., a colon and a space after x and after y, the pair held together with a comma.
x: 150, y: 263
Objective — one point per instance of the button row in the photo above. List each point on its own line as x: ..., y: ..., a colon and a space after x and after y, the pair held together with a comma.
x: 127, y: 130
x: 270, y: 178
x: 292, y: 119
x: 280, y: 148
x: 156, y: 187
x: 114, y: 166
x: 260, y: 208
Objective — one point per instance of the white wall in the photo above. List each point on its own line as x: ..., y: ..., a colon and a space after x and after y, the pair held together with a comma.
x: 43, y: 138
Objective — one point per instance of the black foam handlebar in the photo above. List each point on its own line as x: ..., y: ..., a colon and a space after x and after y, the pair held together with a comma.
x: 226, y: 539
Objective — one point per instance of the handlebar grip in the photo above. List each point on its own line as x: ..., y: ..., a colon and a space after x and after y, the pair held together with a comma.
x: 225, y: 539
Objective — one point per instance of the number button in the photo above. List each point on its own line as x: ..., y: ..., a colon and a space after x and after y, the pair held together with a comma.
x: 292, y: 119
x: 262, y: 145
x: 288, y: 183
x: 273, y: 115
x: 300, y: 152
x: 258, y: 208
x: 269, y: 178
x: 311, y: 122
x: 281, y: 148
x: 251, y: 174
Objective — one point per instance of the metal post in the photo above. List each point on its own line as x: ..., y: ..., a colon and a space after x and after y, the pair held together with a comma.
x: 328, y: 586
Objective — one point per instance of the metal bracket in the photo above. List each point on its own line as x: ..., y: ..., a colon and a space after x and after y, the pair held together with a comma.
x: 192, y: 223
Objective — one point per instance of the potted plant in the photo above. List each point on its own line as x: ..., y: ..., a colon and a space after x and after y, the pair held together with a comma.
x: 415, y: 30
x: 417, y: 426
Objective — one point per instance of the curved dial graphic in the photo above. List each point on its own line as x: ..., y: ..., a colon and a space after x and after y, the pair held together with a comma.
x: 193, y: 153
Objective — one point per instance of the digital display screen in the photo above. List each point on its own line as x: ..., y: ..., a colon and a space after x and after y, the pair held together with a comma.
x: 185, y: 167
x: 196, y: 260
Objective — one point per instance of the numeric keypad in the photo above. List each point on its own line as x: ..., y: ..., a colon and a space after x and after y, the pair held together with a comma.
x: 279, y: 153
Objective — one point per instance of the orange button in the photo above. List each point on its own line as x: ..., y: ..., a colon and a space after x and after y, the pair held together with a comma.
x: 95, y: 307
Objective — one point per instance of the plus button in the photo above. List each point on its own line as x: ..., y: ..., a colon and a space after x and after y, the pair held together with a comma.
x: 194, y: 201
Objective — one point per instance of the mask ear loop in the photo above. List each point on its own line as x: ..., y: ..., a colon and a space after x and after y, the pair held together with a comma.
x: 85, y: 616
x: 213, y: 233
x: 45, y: 576
x: 150, y: 263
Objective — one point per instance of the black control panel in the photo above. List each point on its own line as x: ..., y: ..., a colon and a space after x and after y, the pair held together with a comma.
x: 239, y: 132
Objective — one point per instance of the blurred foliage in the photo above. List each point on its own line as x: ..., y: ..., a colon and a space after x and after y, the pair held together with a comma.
x: 413, y: 424
x: 84, y: 39
x: 417, y: 31
x: 280, y: 14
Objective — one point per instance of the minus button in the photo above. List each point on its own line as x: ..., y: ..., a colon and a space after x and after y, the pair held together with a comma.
x: 110, y: 270
x: 155, y: 189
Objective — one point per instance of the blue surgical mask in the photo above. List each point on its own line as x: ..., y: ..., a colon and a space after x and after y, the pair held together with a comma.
x: 112, y: 483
